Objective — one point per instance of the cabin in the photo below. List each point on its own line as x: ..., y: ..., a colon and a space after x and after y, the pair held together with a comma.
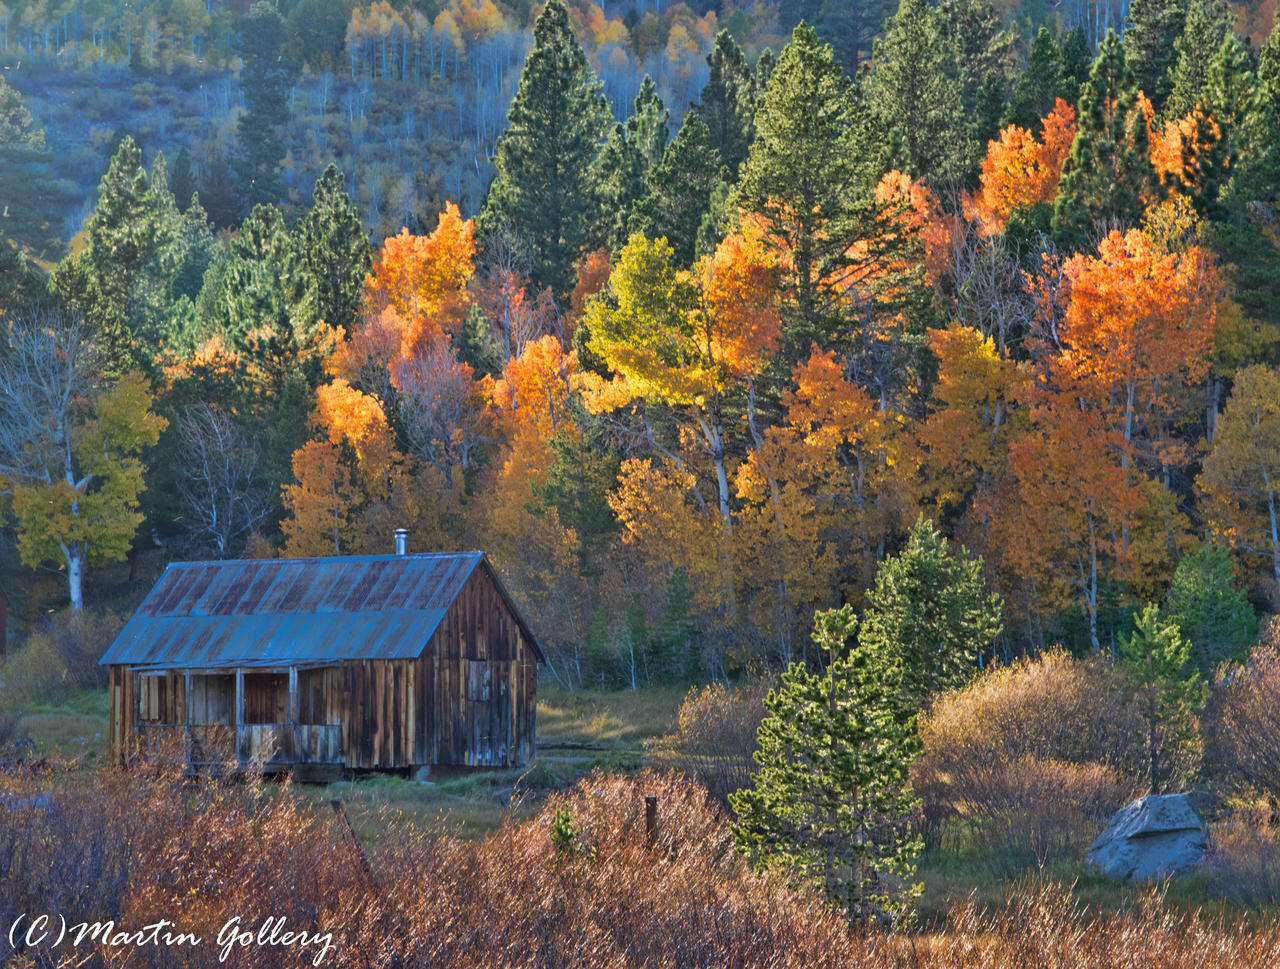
x: 325, y: 665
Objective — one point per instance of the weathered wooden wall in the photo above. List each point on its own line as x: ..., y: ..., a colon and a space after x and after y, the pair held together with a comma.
x: 469, y: 700
x: 479, y: 685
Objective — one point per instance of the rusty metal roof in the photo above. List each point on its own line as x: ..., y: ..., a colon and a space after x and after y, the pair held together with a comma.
x: 285, y: 611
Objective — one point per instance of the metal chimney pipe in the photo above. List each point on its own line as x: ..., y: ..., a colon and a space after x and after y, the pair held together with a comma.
x: 402, y: 541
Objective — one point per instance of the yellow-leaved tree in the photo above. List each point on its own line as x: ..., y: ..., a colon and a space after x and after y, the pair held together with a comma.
x: 70, y: 446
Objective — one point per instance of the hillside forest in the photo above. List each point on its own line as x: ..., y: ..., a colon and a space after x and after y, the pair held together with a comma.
x: 688, y: 354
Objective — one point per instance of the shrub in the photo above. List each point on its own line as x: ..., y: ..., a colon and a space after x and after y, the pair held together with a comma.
x: 994, y: 748
x: 1243, y: 860
x: 715, y: 737
x: 1242, y: 725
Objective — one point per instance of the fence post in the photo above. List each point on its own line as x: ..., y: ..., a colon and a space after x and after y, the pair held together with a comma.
x: 651, y: 820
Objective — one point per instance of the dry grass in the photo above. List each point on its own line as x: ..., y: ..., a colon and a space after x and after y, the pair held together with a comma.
x: 146, y: 844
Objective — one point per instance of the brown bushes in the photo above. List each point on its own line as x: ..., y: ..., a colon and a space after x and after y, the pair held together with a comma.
x: 715, y: 737
x: 1032, y: 756
x: 1243, y: 725
x: 146, y: 845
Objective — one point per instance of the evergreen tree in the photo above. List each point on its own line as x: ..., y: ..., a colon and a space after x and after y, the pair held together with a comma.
x: 928, y: 614
x: 831, y: 796
x: 1217, y: 150
x: 129, y: 260
x: 728, y: 102
x: 1169, y: 692
x: 1108, y: 174
x: 810, y: 175
x: 627, y: 157
x: 271, y: 304
x: 335, y: 250
x: 678, y: 190
x: 266, y: 78
x: 541, y: 187
x: 1039, y: 86
x: 1204, y: 29
x: 1257, y: 174
x: 1210, y: 611
x: 982, y: 53
x: 917, y: 99
x: 183, y: 181
x: 1149, y: 45
x: 765, y: 64
x: 1077, y: 61
x: 850, y: 28
x: 28, y: 218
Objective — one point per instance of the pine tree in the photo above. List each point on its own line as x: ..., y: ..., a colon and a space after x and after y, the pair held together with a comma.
x: 128, y: 261
x: 1203, y: 31
x: 678, y: 190
x: 28, y: 218
x: 1212, y: 613
x: 810, y: 175
x: 1257, y: 174
x: 183, y: 181
x: 728, y: 102
x: 541, y: 189
x: 271, y: 303
x: 917, y: 100
x: 850, y: 28
x: 831, y: 796
x: 627, y: 157
x: 928, y: 614
x: 1149, y: 45
x: 1108, y: 175
x: 1077, y: 60
x: 1169, y: 692
x: 983, y: 60
x: 1040, y: 85
x: 266, y: 78
x: 335, y: 250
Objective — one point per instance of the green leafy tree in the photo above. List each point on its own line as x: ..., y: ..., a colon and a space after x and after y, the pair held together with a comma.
x: 831, y: 795
x: 266, y: 77
x: 728, y: 102
x: 335, y: 251
x: 928, y: 614
x: 70, y: 446
x: 1169, y: 692
x: 917, y: 99
x: 1108, y: 174
x: 541, y: 189
x: 678, y: 190
x: 1149, y: 45
x: 1210, y: 610
x: 1204, y: 28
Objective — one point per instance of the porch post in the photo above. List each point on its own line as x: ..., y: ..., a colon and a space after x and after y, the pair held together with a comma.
x: 190, y: 705
x: 294, y: 740
x: 239, y: 711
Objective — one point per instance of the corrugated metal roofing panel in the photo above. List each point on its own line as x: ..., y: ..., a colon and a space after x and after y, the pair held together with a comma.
x: 220, y: 614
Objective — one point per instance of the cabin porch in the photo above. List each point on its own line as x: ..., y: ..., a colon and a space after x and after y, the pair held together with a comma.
x: 275, y: 716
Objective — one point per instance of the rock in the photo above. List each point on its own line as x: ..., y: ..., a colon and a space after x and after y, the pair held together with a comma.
x: 1150, y: 839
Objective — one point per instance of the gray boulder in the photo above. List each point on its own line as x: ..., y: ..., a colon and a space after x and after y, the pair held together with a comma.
x: 1150, y: 839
